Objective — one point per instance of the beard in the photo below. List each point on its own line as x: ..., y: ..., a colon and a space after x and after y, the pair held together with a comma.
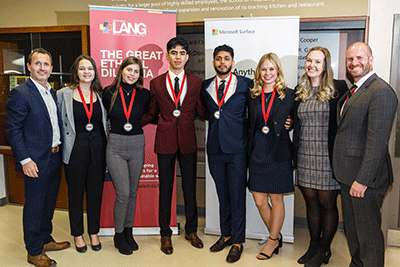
x: 223, y: 72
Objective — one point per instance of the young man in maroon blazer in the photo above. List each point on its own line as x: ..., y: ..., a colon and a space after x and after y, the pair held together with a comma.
x: 176, y: 101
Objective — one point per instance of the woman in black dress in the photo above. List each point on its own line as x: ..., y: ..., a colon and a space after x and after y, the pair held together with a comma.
x: 270, y: 148
x: 314, y: 133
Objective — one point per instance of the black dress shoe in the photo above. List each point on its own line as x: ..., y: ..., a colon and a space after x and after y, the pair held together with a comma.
x: 221, y: 244
x: 96, y: 247
x: 80, y: 249
x: 234, y: 254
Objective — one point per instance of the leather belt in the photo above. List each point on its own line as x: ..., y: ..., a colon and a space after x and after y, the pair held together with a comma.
x: 55, y: 149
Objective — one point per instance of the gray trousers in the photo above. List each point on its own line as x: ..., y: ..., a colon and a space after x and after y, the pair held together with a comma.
x: 125, y: 158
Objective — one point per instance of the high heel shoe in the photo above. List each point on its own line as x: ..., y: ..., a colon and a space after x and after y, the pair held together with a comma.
x: 280, y: 240
x: 95, y: 247
x: 80, y: 249
x: 276, y: 251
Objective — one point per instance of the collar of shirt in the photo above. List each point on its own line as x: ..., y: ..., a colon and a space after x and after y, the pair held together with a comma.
x: 231, y: 90
x: 40, y: 87
x: 184, y: 89
x: 363, y: 79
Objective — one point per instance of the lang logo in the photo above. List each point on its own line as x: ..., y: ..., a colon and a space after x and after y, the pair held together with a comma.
x: 214, y: 32
x: 104, y: 28
x: 121, y: 27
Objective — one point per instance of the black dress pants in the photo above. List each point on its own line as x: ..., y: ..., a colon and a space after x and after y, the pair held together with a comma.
x: 85, y: 171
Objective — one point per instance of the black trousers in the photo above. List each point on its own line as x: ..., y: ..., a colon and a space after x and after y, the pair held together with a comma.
x: 85, y: 171
x: 166, y: 169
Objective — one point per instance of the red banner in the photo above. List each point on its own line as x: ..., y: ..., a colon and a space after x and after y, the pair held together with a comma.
x: 116, y: 33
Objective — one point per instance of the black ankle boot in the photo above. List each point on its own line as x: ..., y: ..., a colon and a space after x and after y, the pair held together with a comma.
x: 323, y: 255
x: 129, y: 239
x: 312, y: 250
x: 121, y: 244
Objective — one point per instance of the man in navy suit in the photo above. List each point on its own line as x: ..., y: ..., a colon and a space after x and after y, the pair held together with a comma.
x: 33, y: 130
x: 226, y: 97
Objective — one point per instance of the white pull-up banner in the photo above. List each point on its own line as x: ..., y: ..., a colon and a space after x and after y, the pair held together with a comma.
x: 251, y: 38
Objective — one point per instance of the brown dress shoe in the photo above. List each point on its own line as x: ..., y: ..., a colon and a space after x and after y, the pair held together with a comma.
x: 194, y: 240
x: 41, y: 260
x: 53, y: 246
x: 166, y: 245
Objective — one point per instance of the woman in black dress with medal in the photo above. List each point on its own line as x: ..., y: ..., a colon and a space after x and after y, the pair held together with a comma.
x: 270, y: 148
x: 84, y: 143
x: 126, y: 101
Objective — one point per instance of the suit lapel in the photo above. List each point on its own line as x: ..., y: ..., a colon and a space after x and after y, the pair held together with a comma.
x: 69, y: 99
x: 39, y: 99
x: 164, y: 89
x: 359, y: 92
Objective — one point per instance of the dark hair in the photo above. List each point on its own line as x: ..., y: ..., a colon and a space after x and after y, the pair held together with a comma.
x: 39, y: 51
x: 223, y: 47
x: 117, y: 81
x: 95, y: 85
x: 174, y: 42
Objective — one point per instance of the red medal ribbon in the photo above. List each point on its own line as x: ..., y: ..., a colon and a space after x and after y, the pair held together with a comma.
x: 176, y: 98
x: 88, y: 112
x: 127, y: 112
x: 220, y: 102
x: 271, y: 101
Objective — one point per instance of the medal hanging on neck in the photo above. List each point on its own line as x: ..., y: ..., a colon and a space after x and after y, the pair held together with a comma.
x: 265, y: 129
x: 127, y: 126
x: 89, y: 126
x: 176, y: 113
x: 220, y: 102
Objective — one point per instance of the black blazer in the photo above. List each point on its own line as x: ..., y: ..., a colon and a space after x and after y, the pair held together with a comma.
x: 341, y: 89
x: 282, y: 109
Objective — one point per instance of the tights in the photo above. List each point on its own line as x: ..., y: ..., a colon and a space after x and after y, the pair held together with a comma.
x: 322, y: 214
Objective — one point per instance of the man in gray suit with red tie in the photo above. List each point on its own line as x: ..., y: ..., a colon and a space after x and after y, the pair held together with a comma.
x: 361, y: 160
x: 33, y: 130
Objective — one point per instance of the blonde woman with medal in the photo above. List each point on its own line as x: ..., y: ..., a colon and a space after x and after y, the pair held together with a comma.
x: 270, y: 148
x: 126, y: 101
x: 84, y: 143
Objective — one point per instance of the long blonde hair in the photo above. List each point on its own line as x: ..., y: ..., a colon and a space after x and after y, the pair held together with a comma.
x: 280, y: 80
x: 325, y: 91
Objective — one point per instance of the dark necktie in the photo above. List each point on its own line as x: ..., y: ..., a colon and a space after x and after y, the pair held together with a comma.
x: 176, y: 89
x: 221, y: 89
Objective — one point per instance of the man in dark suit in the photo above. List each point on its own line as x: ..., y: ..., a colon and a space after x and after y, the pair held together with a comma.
x: 32, y: 128
x: 226, y: 98
x: 361, y: 160
x: 175, y: 98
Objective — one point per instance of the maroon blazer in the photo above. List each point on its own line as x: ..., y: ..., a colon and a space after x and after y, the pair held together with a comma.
x: 173, y: 133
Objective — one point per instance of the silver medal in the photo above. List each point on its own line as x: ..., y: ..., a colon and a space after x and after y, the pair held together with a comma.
x: 265, y: 129
x: 176, y: 113
x: 128, y: 127
x: 216, y: 114
x: 89, y: 127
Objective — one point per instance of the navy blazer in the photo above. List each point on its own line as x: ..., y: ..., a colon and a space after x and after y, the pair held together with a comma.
x: 341, y: 89
x: 28, y: 126
x: 282, y: 109
x: 230, y: 131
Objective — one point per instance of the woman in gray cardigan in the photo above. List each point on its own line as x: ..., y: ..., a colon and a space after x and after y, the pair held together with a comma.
x: 84, y: 142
